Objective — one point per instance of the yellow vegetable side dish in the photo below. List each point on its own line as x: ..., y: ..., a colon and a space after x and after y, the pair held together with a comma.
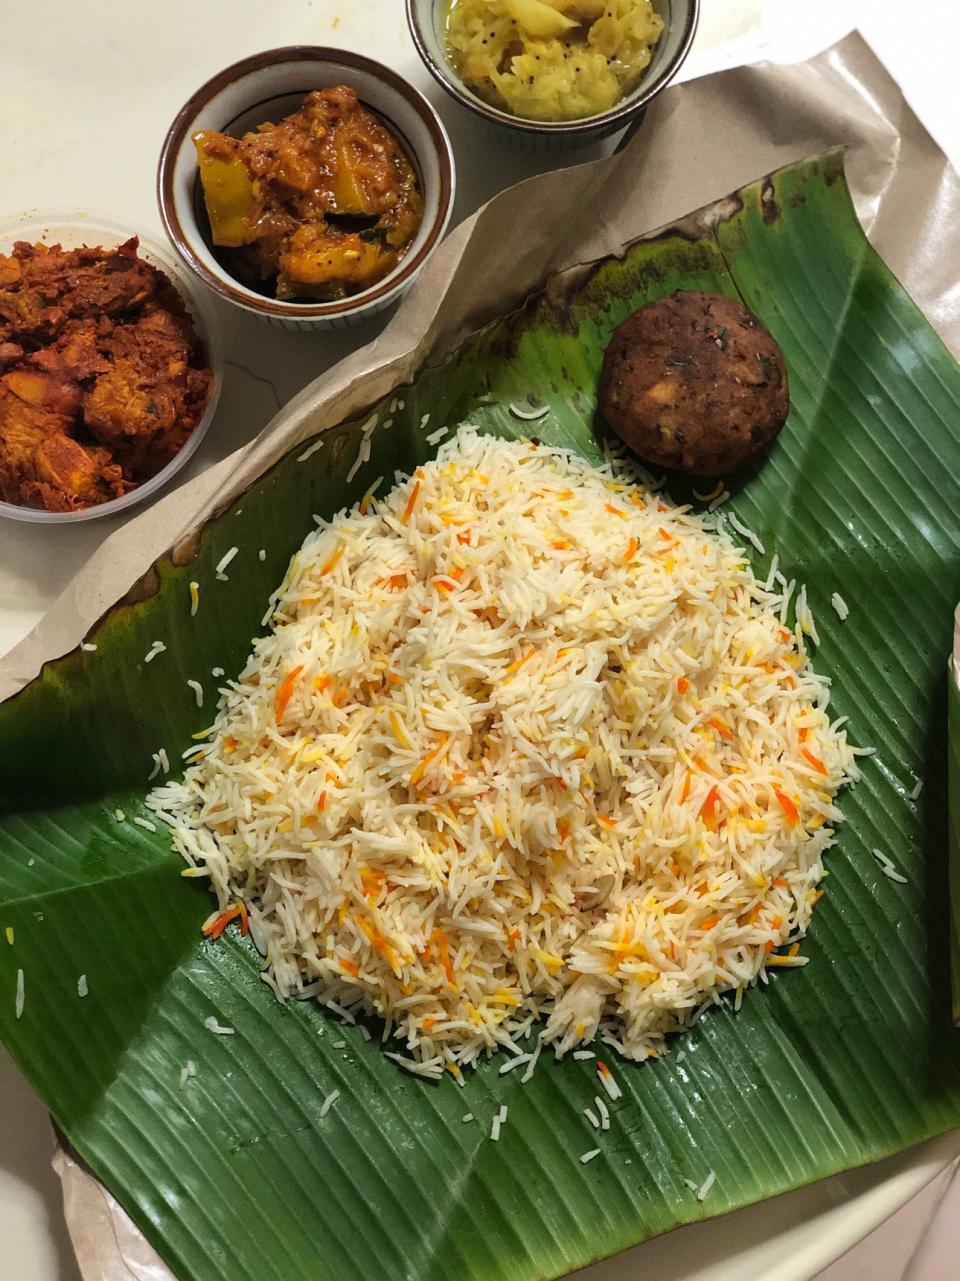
x: 320, y: 206
x: 551, y: 59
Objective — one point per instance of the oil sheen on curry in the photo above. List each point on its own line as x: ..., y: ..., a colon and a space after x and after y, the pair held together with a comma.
x: 318, y: 207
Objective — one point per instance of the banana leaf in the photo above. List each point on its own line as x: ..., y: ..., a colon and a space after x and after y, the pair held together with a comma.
x: 953, y: 798
x: 234, y: 1172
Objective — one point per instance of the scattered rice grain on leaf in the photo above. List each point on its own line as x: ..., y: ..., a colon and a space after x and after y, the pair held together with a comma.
x: 218, y: 1029
x: 223, y: 562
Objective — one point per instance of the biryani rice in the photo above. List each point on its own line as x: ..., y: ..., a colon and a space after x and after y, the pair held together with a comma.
x: 524, y: 742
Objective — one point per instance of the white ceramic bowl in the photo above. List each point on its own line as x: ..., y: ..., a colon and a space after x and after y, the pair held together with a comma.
x: 72, y: 228
x: 267, y: 87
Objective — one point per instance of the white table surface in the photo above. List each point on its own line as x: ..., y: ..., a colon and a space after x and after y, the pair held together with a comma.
x: 87, y: 91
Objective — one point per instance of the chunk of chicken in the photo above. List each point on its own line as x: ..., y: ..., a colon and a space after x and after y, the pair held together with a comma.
x: 68, y: 475
x: 43, y: 288
x: 150, y: 398
x: 33, y: 406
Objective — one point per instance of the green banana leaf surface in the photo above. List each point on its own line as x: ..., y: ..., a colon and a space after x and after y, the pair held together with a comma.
x: 953, y: 799
x: 234, y: 1173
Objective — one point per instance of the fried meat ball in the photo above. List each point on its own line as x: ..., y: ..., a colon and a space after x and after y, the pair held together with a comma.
x: 694, y: 382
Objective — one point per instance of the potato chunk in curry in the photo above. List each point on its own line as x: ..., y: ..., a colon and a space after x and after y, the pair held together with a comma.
x: 320, y: 206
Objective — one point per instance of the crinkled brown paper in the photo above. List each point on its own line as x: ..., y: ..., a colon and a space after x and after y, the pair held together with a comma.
x: 700, y: 141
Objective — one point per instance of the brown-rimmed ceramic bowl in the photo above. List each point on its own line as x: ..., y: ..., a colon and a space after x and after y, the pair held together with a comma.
x: 427, y: 20
x: 267, y: 87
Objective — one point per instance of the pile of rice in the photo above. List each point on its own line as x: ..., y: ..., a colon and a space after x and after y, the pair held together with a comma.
x: 525, y: 742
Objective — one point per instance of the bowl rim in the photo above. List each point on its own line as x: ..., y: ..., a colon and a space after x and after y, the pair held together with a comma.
x: 104, y: 226
x: 222, y: 282
x: 621, y: 112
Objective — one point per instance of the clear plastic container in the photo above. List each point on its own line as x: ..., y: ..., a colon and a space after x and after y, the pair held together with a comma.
x: 72, y: 228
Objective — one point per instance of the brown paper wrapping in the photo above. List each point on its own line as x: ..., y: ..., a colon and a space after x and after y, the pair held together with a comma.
x: 700, y: 141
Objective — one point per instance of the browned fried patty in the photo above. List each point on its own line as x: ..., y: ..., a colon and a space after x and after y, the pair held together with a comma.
x: 694, y: 382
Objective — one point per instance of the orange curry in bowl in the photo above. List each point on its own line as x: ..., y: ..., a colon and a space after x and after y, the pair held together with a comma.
x: 102, y: 374
x: 319, y: 207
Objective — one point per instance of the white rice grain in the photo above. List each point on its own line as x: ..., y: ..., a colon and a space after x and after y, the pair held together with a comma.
x: 706, y: 1185
x: 841, y: 606
x: 363, y: 452
x: 432, y: 1069
x: 804, y: 616
x: 532, y: 1065
x: 588, y: 1156
x: 788, y: 590
x: 197, y: 691
x: 710, y: 494
x: 515, y: 1062
x: 83, y: 987
x: 745, y: 532
x: 610, y: 1086
x: 18, y: 1003
x: 341, y: 1013
x: 604, y: 1113
x: 889, y: 868
x: 223, y: 562
x: 529, y: 415
x: 212, y: 1025
x: 309, y: 452
x: 328, y: 1102
x: 367, y: 499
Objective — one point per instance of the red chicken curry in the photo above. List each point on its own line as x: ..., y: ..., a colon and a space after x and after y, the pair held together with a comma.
x: 102, y: 376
